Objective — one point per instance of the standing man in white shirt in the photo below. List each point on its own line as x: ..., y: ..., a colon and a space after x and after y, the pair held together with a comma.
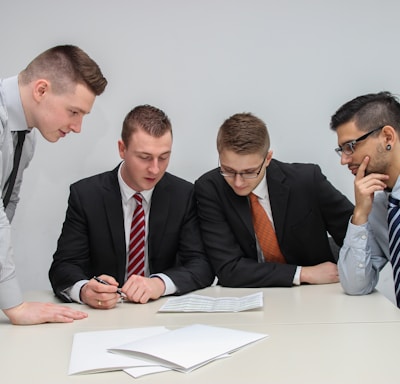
x: 53, y: 94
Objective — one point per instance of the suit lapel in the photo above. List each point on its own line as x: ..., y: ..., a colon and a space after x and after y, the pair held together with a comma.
x: 159, y: 211
x: 240, y: 204
x: 278, y: 196
x: 113, y: 208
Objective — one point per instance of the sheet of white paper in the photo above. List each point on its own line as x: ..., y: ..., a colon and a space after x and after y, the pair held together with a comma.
x: 89, y: 349
x: 188, y: 348
x: 142, y: 371
x: 198, y: 303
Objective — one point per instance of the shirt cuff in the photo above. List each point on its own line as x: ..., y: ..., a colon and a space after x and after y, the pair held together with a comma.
x: 356, y: 236
x: 170, y: 287
x: 296, y: 279
x: 74, y: 292
x: 11, y: 294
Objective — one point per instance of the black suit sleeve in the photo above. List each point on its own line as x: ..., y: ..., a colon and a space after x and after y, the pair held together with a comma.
x: 71, y: 261
x: 92, y: 240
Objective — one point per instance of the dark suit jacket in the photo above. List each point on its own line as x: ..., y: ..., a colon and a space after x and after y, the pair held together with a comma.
x: 305, y: 206
x: 92, y: 241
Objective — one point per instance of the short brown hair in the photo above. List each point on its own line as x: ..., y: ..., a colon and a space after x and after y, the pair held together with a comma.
x: 65, y: 66
x: 151, y: 119
x: 243, y: 133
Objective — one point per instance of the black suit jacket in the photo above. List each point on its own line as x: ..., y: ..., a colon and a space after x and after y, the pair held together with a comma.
x: 305, y: 207
x: 92, y: 241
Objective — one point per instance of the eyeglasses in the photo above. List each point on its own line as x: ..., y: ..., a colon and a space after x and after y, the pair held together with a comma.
x: 349, y: 147
x: 243, y: 175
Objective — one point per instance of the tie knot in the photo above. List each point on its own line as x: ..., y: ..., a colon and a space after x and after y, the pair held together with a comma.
x: 253, y: 198
x: 138, y: 197
x: 393, y: 202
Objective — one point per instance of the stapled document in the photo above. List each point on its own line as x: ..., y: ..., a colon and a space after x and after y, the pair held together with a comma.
x: 198, y: 303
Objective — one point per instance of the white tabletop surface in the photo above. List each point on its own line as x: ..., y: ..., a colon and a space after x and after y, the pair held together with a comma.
x: 317, y: 334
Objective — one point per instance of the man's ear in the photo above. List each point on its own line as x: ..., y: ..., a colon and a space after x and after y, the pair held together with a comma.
x: 390, y: 135
x: 121, y: 149
x: 40, y: 89
x: 268, y: 158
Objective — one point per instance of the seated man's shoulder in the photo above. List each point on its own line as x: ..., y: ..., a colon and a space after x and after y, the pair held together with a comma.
x: 296, y: 171
x: 177, y: 182
x: 96, y: 180
x: 210, y: 177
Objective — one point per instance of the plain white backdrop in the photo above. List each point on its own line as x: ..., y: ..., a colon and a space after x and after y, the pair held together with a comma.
x: 290, y: 62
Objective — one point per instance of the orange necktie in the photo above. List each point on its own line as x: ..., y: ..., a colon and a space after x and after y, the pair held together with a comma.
x: 265, y: 232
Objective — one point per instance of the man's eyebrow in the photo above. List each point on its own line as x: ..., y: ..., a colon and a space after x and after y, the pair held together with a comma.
x: 234, y: 170
x: 151, y: 154
x: 346, y: 142
x: 80, y: 110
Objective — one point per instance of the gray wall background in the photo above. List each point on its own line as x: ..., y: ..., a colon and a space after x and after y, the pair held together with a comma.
x: 290, y: 62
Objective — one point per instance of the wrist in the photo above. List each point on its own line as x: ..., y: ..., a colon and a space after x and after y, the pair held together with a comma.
x: 303, y: 275
x: 359, y: 218
x: 160, y: 285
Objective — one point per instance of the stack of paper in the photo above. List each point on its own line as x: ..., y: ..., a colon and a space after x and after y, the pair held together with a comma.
x: 155, y: 349
x: 188, y: 348
x: 198, y: 303
x: 89, y: 349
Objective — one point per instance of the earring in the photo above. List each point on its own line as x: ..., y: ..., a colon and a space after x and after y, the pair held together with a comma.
x: 388, y: 147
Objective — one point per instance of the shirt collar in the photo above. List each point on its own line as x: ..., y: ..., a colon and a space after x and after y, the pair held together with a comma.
x: 261, y: 191
x: 15, y: 111
x: 396, y: 189
x: 127, y: 192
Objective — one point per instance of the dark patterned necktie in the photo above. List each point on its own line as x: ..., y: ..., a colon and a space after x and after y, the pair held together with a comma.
x: 17, y: 157
x: 394, y: 243
x: 137, y: 239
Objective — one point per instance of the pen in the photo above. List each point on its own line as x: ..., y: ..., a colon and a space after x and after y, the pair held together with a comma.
x: 105, y: 283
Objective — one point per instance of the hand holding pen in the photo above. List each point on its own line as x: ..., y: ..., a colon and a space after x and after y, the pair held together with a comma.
x: 102, y: 292
x: 122, y: 294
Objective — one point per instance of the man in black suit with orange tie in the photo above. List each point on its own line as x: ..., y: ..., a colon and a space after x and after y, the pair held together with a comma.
x: 96, y: 235
x: 297, y: 201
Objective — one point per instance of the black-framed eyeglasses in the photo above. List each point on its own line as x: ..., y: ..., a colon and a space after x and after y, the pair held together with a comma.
x: 243, y: 175
x: 349, y: 147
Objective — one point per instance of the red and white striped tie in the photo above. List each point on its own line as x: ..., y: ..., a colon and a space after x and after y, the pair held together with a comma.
x: 136, y: 240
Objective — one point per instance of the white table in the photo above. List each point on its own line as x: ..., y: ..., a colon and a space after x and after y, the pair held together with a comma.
x: 317, y: 335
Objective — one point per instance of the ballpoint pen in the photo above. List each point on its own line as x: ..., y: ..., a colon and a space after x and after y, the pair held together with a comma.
x: 106, y: 283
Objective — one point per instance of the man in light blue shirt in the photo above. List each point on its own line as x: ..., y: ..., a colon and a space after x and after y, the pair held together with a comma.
x: 368, y: 129
x: 52, y: 94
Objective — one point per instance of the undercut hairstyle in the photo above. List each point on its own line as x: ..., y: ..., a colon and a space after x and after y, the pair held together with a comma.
x: 148, y: 118
x: 65, y: 66
x: 243, y: 133
x: 369, y: 112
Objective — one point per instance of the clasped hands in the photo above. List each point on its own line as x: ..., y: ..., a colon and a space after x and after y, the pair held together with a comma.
x: 137, y: 289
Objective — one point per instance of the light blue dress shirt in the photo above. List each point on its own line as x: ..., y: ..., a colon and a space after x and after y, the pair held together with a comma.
x: 365, y: 249
x: 12, y: 119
